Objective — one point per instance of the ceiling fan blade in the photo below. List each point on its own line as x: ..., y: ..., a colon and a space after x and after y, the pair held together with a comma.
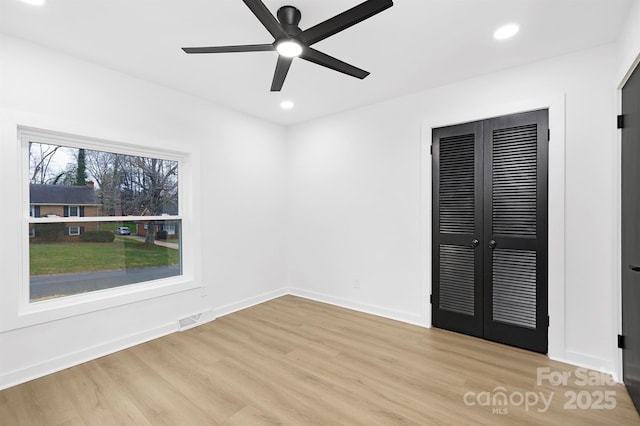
x: 343, y: 21
x: 268, y: 20
x: 325, y: 60
x: 282, y: 68
x: 226, y: 49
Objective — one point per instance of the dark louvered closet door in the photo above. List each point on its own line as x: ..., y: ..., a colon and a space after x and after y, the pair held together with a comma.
x: 457, y: 228
x: 515, y: 252
x: 631, y: 236
x: 490, y: 229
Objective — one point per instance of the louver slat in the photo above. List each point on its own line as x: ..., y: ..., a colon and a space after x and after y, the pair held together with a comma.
x: 515, y: 181
x: 456, y: 177
x: 456, y: 279
x: 514, y: 287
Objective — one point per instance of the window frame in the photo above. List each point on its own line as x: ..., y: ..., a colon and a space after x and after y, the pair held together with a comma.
x: 46, y: 310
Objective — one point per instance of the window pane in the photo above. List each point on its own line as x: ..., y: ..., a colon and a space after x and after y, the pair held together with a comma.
x: 68, y: 259
x: 67, y: 181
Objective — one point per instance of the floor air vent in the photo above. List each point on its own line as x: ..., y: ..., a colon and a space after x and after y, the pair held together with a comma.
x: 195, y: 320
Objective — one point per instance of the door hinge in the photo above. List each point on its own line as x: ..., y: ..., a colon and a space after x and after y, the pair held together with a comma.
x: 548, y: 321
x: 620, y: 341
x: 620, y: 121
x: 431, y: 299
x: 548, y: 135
x: 431, y: 149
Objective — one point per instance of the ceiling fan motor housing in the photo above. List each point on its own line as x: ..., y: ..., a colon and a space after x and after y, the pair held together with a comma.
x: 289, y: 17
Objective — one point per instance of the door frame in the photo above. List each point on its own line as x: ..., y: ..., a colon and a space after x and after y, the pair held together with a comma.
x: 555, y: 103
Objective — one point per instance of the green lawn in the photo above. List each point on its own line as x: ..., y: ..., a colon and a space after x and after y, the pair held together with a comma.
x: 123, y: 253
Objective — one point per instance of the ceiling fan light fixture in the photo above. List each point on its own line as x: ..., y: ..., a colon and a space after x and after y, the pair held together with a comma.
x: 506, y: 31
x: 289, y: 48
x: 286, y: 105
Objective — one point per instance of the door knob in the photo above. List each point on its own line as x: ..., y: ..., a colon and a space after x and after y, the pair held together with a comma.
x: 492, y: 244
x: 475, y: 243
x: 634, y: 268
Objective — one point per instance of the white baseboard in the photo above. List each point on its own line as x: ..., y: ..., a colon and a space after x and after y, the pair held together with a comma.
x: 361, y: 307
x: 54, y: 365
x: 247, y: 303
x: 586, y: 361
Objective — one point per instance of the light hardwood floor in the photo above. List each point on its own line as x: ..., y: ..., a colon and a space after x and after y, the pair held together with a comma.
x: 295, y: 361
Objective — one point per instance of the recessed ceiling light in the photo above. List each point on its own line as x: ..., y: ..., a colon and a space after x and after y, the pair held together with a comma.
x: 286, y: 105
x: 34, y: 2
x: 289, y: 48
x: 506, y: 31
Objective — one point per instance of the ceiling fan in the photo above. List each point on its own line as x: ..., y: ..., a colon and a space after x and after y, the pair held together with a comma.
x: 290, y: 41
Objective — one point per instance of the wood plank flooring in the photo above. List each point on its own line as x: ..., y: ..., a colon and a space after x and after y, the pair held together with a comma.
x: 294, y: 361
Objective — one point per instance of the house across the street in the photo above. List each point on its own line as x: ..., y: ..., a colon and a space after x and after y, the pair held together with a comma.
x: 170, y: 226
x: 64, y: 201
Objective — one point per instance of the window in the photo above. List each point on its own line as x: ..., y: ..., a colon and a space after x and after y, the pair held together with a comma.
x: 74, y: 211
x: 83, y: 194
x: 74, y: 230
x: 170, y: 228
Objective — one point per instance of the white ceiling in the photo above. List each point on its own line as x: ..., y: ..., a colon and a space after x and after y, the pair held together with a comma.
x: 415, y: 45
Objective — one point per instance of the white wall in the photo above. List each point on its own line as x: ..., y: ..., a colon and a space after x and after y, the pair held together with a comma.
x: 243, y: 211
x: 355, y: 188
x: 236, y: 197
x: 629, y: 44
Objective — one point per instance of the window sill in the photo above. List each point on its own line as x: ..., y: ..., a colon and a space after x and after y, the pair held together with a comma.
x: 34, y: 313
